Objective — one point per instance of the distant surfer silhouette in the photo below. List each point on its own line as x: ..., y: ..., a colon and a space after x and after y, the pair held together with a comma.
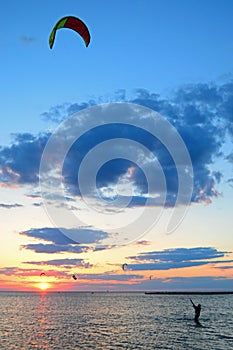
x: 197, y: 309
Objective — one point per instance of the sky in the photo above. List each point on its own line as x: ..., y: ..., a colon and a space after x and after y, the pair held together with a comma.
x: 120, y: 152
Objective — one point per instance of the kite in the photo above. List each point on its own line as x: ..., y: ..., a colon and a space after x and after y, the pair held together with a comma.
x: 124, y: 267
x: 75, y: 277
x: 42, y: 274
x: 73, y: 23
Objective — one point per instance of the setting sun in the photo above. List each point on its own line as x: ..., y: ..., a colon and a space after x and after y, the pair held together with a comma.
x: 44, y: 286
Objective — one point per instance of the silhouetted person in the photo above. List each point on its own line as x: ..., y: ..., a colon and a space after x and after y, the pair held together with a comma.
x: 197, y: 311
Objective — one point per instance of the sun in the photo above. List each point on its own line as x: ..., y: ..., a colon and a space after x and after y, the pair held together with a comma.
x: 44, y: 286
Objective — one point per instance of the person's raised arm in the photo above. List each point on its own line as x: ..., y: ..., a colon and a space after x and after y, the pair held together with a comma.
x: 192, y: 303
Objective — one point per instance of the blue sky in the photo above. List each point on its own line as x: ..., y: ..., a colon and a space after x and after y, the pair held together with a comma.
x: 174, y: 57
x: 156, y: 45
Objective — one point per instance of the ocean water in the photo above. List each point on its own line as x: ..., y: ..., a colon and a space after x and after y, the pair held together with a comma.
x: 100, y: 321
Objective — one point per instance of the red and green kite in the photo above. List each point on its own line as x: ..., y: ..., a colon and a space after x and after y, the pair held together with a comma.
x: 72, y: 23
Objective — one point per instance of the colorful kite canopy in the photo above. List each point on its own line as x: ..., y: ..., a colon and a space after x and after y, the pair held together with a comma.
x: 73, y: 23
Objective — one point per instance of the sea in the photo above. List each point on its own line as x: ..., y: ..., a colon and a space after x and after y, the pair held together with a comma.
x: 109, y: 320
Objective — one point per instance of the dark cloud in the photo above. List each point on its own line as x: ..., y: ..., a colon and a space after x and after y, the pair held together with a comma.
x: 66, y: 263
x: 49, y: 234
x: 55, y: 248
x: 176, y: 258
x: 225, y: 267
x: 37, y: 204
x: 55, y: 235
x: 200, y: 283
x: 103, y: 247
x: 196, y: 112
x: 34, y: 195
x: 10, y: 206
x: 112, y: 171
x: 201, y: 93
x: 201, y: 113
x: 19, y: 163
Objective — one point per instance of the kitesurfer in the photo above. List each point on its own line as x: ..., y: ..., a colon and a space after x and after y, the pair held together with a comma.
x: 197, y: 309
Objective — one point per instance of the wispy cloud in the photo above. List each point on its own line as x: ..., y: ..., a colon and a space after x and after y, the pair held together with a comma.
x: 27, y: 40
x: 58, y: 113
x: 10, y: 206
x: 66, y: 263
x: 142, y: 243
x: 110, y: 276
x: 15, y: 272
x: 225, y: 267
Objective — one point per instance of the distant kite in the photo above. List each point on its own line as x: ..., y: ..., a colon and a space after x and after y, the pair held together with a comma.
x: 42, y: 274
x: 73, y: 23
x: 124, y: 266
x: 75, y: 277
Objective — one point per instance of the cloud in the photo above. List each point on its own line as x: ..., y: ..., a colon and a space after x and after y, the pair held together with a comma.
x: 109, y: 276
x: 33, y: 195
x: 142, y: 243
x: 16, y: 271
x: 49, y: 234
x: 37, y: 204
x: 55, y: 235
x: 10, y: 206
x: 60, y: 112
x: 230, y: 182
x: 229, y: 157
x: 176, y: 258
x: 25, y: 272
x: 195, y: 111
x: 66, y: 263
x: 55, y: 248
x: 27, y: 40
x: 103, y: 247
x: 225, y: 267
x: 202, y: 114
x: 19, y: 162
x: 200, y: 283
